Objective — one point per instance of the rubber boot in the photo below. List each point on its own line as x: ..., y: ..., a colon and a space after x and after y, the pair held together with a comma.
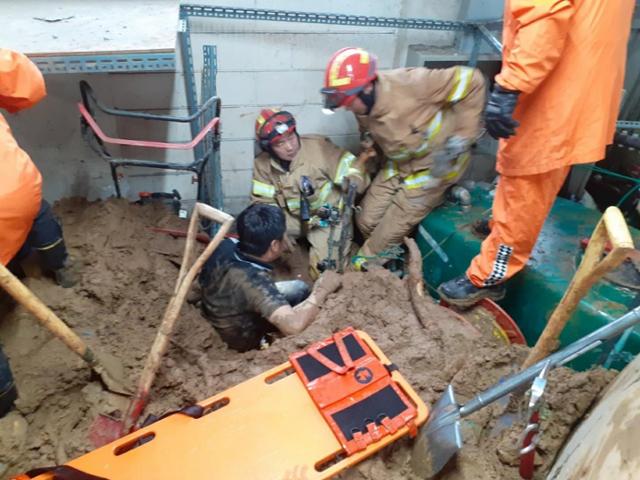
x: 68, y: 275
x: 55, y: 259
x: 460, y: 292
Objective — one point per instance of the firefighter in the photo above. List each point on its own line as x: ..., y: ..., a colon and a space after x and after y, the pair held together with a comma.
x: 554, y: 104
x: 26, y: 220
x: 303, y: 175
x: 422, y: 120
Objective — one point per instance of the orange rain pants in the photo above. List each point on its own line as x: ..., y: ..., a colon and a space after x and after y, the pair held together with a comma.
x: 567, y: 58
x: 21, y: 86
x: 520, y: 208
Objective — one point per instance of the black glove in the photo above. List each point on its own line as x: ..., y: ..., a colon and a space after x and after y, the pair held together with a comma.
x: 498, y: 114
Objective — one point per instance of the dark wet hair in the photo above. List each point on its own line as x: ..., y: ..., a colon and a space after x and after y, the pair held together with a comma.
x: 258, y: 225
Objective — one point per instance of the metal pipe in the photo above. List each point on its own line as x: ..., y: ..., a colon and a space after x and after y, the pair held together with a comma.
x: 559, y: 358
x: 87, y: 93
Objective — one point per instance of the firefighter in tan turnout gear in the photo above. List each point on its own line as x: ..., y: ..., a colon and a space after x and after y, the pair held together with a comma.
x: 304, y: 175
x: 422, y: 120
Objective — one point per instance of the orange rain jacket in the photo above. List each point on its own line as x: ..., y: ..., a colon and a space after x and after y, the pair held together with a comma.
x: 567, y: 57
x: 21, y: 86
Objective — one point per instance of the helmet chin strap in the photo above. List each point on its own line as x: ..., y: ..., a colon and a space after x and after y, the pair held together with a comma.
x: 369, y: 99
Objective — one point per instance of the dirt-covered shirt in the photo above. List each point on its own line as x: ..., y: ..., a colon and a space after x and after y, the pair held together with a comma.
x: 238, y: 296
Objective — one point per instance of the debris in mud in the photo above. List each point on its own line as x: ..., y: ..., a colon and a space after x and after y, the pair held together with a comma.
x: 128, y: 276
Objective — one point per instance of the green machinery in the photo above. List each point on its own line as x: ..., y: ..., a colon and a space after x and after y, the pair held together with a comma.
x: 533, y: 294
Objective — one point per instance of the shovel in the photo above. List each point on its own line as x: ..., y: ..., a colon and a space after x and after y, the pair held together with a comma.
x: 441, y: 438
x: 186, y: 276
x: 109, y: 371
x: 612, y: 229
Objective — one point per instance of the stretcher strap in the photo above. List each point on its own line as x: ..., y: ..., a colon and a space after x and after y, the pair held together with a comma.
x: 193, y: 411
x: 346, y: 363
x: 313, y: 367
x: 60, y: 472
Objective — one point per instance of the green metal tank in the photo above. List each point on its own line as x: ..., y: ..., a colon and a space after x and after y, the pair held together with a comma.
x: 533, y: 294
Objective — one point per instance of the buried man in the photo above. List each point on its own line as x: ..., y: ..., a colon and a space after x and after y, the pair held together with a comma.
x: 240, y: 298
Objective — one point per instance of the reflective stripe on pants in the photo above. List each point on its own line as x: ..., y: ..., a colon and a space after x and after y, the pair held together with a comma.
x: 520, y: 207
x: 390, y: 210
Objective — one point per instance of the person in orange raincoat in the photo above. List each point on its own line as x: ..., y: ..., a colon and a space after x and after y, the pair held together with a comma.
x: 26, y: 220
x: 554, y: 104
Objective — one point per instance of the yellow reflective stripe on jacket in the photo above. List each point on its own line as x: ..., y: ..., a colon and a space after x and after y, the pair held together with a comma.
x: 263, y: 189
x: 390, y: 169
x: 293, y: 204
x: 346, y: 160
x: 461, y: 84
x: 400, y: 156
x: 424, y: 179
x: 323, y: 195
x: 355, y: 172
x: 418, y: 179
x: 433, y: 128
x: 435, y: 125
x: 461, y: 161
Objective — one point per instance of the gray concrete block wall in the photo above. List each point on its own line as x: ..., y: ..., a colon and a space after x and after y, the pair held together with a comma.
x: 259, y: 64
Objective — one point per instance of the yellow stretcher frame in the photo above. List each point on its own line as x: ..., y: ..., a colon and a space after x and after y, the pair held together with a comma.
x: 265, y: 428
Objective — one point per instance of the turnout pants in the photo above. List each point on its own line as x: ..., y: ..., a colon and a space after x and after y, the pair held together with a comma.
x: 390, y: 210
x: 45, y: 237
x: 520, y: 207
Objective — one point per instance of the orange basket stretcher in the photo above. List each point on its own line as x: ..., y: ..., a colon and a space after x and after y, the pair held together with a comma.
x: 305, y: 419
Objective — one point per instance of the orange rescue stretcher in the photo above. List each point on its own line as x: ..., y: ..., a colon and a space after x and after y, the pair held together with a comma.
x: 326, y: 409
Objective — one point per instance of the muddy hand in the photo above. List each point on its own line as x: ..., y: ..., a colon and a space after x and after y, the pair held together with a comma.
x: 328, y: 282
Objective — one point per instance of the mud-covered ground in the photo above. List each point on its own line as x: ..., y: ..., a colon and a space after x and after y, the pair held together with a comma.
x: 128, y: 277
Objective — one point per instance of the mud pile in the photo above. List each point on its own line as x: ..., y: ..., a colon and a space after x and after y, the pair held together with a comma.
x: 128, y: 276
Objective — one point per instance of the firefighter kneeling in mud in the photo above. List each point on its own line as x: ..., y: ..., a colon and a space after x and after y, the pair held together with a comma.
x: 423, y: 121
x: 304, y: 176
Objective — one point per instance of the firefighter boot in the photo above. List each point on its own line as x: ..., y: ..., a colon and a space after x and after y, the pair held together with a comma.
x: 460, y: 292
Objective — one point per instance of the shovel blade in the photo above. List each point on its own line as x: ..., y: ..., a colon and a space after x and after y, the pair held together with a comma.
x: 104, y: 430
x: 440, y: 439
x: 111, y: 372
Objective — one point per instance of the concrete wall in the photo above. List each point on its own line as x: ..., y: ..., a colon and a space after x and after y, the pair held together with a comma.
x: 482, y: 10
x: 259, y: 64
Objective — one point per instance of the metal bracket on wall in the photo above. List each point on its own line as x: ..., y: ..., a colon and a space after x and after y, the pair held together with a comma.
x: 490, y: 38
x: 319, y: 18
x: 213, y: 170
x: 117, y: 62
x: 189, y: 73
